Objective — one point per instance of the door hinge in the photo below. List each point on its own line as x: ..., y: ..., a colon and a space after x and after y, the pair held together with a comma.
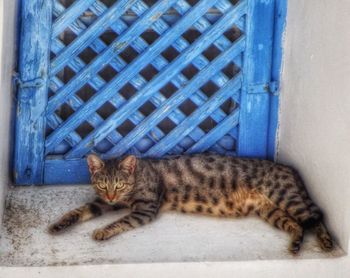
x: 262, y: 88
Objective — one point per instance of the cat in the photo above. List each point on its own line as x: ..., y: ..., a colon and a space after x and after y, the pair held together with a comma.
x: 203, y: 183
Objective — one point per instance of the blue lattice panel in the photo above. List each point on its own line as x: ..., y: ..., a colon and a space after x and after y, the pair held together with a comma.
x: 150, y: 78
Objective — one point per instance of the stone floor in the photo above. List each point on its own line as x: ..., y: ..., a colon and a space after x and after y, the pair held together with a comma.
x: 171, y: 238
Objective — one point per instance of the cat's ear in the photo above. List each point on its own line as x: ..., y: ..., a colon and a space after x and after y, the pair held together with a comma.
x: 95, y: 163
x: 128, y: 164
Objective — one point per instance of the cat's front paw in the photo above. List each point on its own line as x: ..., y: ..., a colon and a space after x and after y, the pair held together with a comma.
x: 101, y: 234
x: 55, y: 228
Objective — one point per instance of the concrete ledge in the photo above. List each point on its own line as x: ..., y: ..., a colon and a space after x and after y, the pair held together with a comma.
x: 171, y: 238
x: 320, y: 268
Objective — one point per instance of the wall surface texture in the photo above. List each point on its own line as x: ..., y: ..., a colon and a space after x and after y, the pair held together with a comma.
x: 314, y: 131
x: 7, y: 52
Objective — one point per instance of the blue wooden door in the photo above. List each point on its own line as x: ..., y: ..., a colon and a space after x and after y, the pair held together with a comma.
x: 150, y: 78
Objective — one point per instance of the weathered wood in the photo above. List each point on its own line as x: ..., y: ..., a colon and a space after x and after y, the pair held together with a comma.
x: 69, y: 16
x: 59, y: 171
x: 165, y: 108
x: 244, y: 126
x: 216, y: 133
x: 160, y: 80
x: 254, y: 115
x: 138, y: 45
x: 96, y: 82
x: 115, y: 48
x: 195, y: 118
x: 32, y: 96
x: 159, y: 63
x: 133, y: 68
x: 85, y: 39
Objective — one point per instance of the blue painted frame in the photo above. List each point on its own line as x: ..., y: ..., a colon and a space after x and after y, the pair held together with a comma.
x: 265, y: 32
x: 32, y: 91
x: 257, y: 116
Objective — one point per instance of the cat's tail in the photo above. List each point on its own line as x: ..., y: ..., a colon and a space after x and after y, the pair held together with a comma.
x: 306, y: 212
x: 294, y: 199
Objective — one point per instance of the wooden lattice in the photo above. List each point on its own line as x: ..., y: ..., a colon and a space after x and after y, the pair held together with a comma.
x: 150, y: 78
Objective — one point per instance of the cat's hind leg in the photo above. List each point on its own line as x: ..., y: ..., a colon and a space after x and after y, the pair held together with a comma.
x: 324, y: 238
x: 310, y: 217
x: 81, y: 214
x: 281, y: 220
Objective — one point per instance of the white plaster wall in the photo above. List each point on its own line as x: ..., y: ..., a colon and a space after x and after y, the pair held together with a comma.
x: 7, y: 51
x: 314, y: 130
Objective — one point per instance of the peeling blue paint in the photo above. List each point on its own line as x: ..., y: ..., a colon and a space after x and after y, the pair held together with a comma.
x: 248, y: 129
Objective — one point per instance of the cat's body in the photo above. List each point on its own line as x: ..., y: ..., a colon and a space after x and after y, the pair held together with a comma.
x: 204, y: 183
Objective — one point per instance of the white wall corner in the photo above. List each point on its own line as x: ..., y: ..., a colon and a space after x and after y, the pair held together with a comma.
x: 314, y: 129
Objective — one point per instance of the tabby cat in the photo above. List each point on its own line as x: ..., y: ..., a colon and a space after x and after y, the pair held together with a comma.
x: 204, y: 183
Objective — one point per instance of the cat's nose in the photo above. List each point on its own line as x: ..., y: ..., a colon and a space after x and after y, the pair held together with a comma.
x: 110, y: 197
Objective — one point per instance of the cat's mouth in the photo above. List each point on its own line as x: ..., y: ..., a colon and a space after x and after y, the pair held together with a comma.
x: 111, y: 202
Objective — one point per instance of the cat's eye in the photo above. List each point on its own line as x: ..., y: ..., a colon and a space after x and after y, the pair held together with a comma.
x: 120, y: 185
x: 101, y: 186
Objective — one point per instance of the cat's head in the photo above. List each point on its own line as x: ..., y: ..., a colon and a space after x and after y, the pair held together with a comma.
x: 112, y: 180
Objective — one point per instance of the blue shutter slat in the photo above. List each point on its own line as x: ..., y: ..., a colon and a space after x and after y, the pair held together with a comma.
x: 199, y: 115
x: 92, y: 33
x: 160, y: 80
x: 97, y: 83
x: 216, y: 133
x: 164, y: 109
x: 137, y: 65
x: 159, y: 63
x: 69, y: 16
x: 104, y: 58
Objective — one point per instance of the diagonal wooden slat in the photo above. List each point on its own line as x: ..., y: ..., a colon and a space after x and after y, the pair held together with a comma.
x: 161, y: 79
x: 159, y: 63
x: 227, y: 139
x: 139, y: 45
x: 216, y: 133
x: 76, y: 64
x: 116, y: 47
x: 198, y: 98
x: 171, y: 17
x: 136, y: 65
x: 171, y: 139
x: 85, y: 39
x: 75, y: 102
x: 178, y: 116
x: 69, y: 16
x: 96, y: 82
x: 166, y: 107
